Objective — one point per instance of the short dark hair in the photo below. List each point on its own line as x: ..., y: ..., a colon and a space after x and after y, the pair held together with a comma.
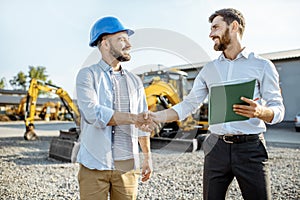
x: 100, y: 38
x: 229, y: 15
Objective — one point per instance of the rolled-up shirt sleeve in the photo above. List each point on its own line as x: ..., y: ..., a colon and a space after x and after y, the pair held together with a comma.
x: 87, y: 99
x: 271, y: 92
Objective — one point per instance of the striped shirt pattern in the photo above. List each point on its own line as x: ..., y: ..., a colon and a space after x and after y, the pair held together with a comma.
x: 122, y: 146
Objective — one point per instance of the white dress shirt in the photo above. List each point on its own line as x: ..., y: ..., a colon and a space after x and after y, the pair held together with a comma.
x: 245, y: 66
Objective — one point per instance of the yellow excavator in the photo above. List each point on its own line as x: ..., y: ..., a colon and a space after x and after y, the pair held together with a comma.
x: 163, y: 90
x: 31, y: 99
x: 18, y: 113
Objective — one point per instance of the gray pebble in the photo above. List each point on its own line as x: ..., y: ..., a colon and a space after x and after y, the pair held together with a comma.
x: 26, y: 172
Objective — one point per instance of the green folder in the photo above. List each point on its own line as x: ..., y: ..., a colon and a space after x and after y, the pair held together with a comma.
x: 223, y: 97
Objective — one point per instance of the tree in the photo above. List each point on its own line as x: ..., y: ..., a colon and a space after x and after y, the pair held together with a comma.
x: 38, y: 72
x: 19, y: 82
x: 2, y: 83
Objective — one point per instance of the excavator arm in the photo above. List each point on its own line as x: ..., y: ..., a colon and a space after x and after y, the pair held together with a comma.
x: 32, y: 95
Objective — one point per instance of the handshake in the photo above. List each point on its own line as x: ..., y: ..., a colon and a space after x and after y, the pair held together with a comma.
x: 147, y: 121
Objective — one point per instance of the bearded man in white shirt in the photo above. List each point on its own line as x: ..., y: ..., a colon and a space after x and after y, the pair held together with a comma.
x: 237, y: 148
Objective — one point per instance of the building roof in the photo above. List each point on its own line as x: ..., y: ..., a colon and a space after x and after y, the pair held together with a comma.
x: 13, y: 92
x: 282, y: 55
x: 15, y: 100
x: 189, y: 66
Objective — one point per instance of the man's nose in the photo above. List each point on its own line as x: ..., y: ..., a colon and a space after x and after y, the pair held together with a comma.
x: 211, y: 35
x: 127, y: 44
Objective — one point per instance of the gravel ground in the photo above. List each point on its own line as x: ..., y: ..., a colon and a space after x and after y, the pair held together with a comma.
x: 26, y: 172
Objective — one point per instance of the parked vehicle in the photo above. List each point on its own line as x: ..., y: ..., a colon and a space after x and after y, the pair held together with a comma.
x: 297, y: 122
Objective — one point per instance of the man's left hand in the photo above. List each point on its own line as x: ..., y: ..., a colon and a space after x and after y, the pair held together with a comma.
x: 146, y: 169
x: 252, y: 110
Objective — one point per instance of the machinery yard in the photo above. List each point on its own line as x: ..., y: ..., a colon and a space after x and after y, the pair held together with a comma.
x: 156, y: 80
x: 27, y: 172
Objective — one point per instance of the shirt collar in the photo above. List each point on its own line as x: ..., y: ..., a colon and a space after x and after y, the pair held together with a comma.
x: 107, y: 68
x: 243, y: 53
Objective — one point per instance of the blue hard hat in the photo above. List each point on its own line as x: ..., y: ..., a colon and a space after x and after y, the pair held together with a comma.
x: 106, y: 25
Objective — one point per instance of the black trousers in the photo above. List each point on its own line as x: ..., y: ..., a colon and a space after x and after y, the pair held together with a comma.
x: 246, y: 161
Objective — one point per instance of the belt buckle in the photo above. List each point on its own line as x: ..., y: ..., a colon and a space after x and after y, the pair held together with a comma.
x: 226, y: 141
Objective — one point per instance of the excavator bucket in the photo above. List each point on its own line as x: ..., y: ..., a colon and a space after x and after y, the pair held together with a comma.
x: 30, y: 134
x: 61, y: 147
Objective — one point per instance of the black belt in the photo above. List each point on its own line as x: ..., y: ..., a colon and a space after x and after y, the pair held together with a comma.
x: 229, y: 138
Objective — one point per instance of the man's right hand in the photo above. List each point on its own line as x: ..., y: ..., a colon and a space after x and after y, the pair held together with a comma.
x: 145, y: 123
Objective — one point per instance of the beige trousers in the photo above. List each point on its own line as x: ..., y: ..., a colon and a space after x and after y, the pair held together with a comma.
x: 118, y: 184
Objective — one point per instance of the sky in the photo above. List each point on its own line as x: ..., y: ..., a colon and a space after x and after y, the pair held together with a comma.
x: 55, y: 33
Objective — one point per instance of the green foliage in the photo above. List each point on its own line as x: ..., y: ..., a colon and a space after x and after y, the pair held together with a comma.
x: 20, y: 81
x: 38, y: 72
x: 2, y: 83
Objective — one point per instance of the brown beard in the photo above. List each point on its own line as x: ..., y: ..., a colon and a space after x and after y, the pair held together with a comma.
x: 124, y: 58
x: 224, y: 41
x: 118, y: 55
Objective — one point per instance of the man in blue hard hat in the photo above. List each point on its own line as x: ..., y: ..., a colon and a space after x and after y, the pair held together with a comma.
x: 110, y: 98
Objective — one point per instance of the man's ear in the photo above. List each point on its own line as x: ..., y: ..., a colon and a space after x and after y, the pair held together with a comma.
x: 235, y: 26
x: 105, y: 44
